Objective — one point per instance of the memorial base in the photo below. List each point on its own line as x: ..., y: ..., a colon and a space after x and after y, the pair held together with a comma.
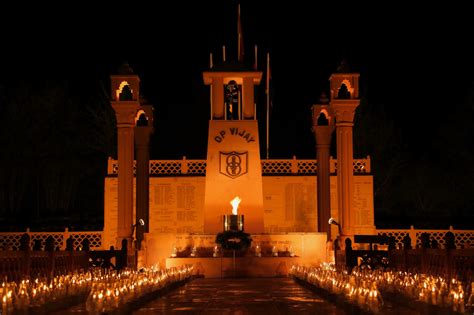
x: 238, y: 267
x: 307, y: 248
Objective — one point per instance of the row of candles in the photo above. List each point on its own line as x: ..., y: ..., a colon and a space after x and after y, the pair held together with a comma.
x: 356, y: 290
x: 105, y: 290
x: 37, y: 292
x: 362, y: 286
x: 112, y: 293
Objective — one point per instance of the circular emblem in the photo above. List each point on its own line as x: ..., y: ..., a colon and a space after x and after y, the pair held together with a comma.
x: 234, y: 163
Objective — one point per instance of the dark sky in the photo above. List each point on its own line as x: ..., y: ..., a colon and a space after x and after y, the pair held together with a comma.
x: 416, y: 61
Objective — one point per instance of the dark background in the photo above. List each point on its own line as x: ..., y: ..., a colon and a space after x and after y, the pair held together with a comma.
x: 415, y: 117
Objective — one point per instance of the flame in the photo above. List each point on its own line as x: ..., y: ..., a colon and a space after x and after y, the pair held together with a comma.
x: 235, y: 204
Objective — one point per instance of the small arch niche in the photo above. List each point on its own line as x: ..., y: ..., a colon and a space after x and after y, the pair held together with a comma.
x: 141, y: 120
x: 322, y: 119
x: 124, y: 92
x: 346, y: 90
x: 343, y: 92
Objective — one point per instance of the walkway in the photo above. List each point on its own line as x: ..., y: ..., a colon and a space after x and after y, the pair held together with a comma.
x: 240, y: 296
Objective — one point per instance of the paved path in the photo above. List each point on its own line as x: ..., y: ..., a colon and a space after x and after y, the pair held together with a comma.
x: 240, y: 296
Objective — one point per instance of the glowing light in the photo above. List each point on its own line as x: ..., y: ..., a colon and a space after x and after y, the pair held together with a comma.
x: 235, y: 204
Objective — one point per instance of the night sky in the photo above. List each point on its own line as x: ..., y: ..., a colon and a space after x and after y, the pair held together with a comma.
x: 415, y: 62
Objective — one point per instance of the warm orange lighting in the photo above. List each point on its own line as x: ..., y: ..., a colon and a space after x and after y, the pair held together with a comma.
x: 235, y: 204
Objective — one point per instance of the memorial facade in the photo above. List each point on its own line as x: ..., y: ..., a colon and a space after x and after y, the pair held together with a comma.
x: 285, y: 208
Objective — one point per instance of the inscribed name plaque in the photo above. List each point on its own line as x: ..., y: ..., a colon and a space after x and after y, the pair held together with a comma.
x: 290, y: 204
x: 176, y: 204
x: 364, y: 204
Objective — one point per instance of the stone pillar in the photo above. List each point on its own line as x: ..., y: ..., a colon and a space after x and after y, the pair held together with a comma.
x: 344, y: 101
x: 142, y: 149
x: 323, y: 126
x: 248, y: 98
x: 125, y: 128
x: 217, y: 97
x: 125, y: 91
x: 345, y: 180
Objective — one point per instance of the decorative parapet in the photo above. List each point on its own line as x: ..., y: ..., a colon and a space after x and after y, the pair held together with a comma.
x: 11, y: 240
x: 463, y: 238
x: 269, y: 167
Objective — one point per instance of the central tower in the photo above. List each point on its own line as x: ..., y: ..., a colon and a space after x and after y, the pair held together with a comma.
x: 233, y: 151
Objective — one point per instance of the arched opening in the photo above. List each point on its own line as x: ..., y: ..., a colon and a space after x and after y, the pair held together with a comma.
x: 141, y: 119
x: 343, y: 92
x: 322, y: 119
x: 124, y: 92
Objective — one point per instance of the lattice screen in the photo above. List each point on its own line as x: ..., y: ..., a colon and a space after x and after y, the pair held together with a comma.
x: 269, y: 167
x: 307, y: 167
x: 10, y: 240
x: 460, y: 237
x: 197, y: 167
x: 95, y: 239
x: 171, y: 167
x: 360, y: 166
x: 58, y: 238
x: 464, y: 238
x: 276, y: 166
x: 399, y: 235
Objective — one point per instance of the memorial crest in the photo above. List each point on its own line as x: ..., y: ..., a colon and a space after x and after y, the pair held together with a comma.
x: 233, y: 164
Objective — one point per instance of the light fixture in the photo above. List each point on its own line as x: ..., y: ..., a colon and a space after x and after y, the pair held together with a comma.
x: 332, y: 221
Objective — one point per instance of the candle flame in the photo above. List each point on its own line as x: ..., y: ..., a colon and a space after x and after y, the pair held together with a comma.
x: 235, y: 204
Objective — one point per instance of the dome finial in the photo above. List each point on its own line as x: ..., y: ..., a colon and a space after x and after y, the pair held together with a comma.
x: 125, y: 69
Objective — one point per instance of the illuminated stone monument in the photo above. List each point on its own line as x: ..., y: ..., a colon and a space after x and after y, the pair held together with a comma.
x: 286, y: 203
x: 233, y: 153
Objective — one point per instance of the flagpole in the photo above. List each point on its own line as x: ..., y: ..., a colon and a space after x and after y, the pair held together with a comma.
x: 240, y: 44
x: 268, y: 104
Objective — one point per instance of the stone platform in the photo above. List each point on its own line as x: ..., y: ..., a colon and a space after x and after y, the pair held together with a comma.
x: 240, y: 267
x: 309, y: 249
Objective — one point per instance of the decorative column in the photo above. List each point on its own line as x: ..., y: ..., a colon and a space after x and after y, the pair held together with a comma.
x: 125, y: 91
x: 344, y: 101
x: 323, y: 126
x: 143, y: 132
